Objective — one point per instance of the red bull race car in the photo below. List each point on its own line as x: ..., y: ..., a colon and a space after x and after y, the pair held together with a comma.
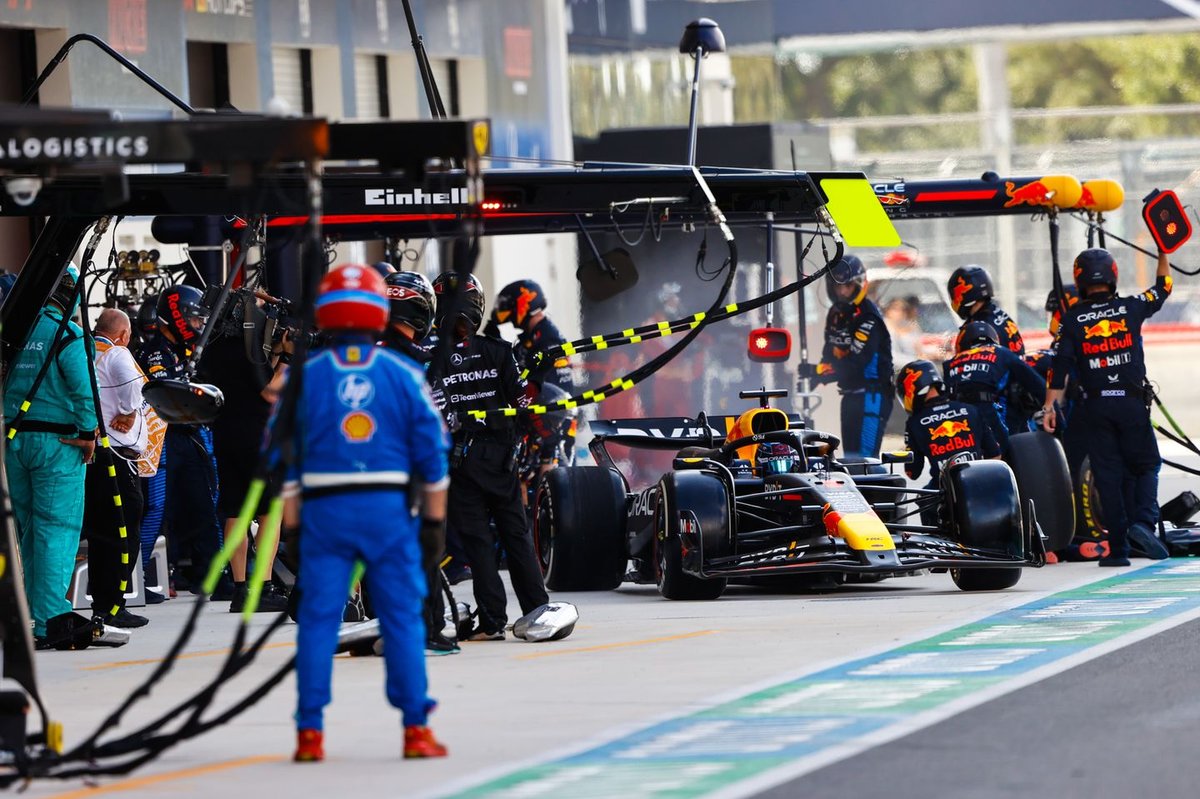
x: 760, y: 496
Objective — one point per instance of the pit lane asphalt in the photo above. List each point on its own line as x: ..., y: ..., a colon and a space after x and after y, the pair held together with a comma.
x: 635, y: 658
x: 1119, y: 726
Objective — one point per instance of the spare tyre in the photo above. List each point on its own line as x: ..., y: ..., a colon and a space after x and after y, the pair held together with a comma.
x: 1040, y: 466
x: 579, y: 528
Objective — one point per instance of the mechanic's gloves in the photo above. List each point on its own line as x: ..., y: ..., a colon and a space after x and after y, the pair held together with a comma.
x: 433, y: 542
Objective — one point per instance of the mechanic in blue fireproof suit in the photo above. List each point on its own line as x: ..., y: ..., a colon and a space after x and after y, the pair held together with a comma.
x: 858, y: 357
x: 366, y: 426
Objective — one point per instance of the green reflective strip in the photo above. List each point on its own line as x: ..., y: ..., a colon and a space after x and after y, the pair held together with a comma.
x: 597, y: 397
x: 597, y: 339
x: 265, y: 542
x: 125, y: 558
x: 603, y: 345
x: 563, y: 403
x: 731, y: 307
x: 112, y: 472
x: 627, y: 333
x: 635, y: 339
x: 115, y: 610
x: 589, y: 394
x: 538, y: 408
x: 236, y: 536
x: 568, y: 348
x: 104, y: 442
x: 477, y: 414
x: 12, y: 433
x: 122, y: 531
x: 700, y: 316
x: 117, y: 500
x: 356, y: 576
x: 626, y: 384
x: 24, y: 406
x: 571, y: 403
x: 510, y: 411
x: 664, y: 326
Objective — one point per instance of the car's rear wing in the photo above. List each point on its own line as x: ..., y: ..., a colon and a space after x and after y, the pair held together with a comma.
x: 666, y: 432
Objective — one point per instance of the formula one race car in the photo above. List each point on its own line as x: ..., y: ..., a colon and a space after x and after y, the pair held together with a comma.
x: 758, y: 496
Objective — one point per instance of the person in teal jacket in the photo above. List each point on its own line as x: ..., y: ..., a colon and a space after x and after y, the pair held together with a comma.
x: 45, y: 459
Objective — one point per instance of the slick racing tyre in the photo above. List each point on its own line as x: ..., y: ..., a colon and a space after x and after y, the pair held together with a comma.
x: 984, y: 513
x: 706, y: 498
x: 1040, y: 466
x: 579, y: 529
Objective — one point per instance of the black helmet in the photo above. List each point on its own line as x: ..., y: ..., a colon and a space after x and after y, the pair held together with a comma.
x: 518, y: 301
x: 1095, y: 267
x: 469, y: 306
x: 968, y: 285
x: 411, y: 301
x: 147, y: 315
x: 181, y: 311
x: 973, y: 333
x: 64, y: 291
x: 914, y: 381
x: 848, y: 271
x: 1070, y: 294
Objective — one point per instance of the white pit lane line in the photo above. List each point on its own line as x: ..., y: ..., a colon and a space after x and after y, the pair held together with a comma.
x: 759, y: 736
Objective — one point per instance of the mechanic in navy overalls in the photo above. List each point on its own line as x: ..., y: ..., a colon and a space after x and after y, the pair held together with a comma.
x: 1101, y: 342
x: 980, y: 373
x: 939, y: 429
x: 410, y: 318
x: 190, y: 511
x: 365, y: 427
x: 858, y: 356
x: 971, y: 297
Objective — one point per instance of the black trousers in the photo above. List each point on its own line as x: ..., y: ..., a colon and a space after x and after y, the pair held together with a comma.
x: 111, y: 558
x: 1125, y: 461
x: 483, y: 490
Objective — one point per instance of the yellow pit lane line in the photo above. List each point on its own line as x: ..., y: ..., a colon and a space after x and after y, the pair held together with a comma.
x: 167, y: 776
x: 617, y: 645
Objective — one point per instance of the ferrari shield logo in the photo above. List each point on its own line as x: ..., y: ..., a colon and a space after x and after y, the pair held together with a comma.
x: 480, y: 133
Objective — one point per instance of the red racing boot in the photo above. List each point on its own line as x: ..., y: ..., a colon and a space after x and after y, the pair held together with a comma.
x: 309, y: 746
x: 419, y: 742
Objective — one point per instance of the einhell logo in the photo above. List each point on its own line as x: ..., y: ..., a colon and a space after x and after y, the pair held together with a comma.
x: 415, y: 197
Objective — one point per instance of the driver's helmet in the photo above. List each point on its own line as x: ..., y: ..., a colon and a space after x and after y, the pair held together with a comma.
x: 775, y: 458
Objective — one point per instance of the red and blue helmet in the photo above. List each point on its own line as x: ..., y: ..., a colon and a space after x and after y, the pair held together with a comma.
x: 352, y: 297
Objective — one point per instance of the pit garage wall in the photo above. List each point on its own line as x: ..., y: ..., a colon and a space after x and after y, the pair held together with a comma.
x: 510, y: 56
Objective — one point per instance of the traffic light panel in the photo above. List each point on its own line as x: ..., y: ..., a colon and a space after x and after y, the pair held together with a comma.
x: 1167, y: 222
x: 769, y: 345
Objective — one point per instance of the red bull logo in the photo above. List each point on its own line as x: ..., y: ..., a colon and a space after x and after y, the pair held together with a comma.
x: 1035, y: 193
x: 948, y: 429
x: 1105, y: 328
x: 893, y: 199
x: 525, y: 299
x: 1086, y: 199
x: 958, y: 292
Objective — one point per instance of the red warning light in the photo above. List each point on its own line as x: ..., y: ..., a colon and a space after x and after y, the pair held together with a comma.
x: 769, y: 345
x: 491, y: 205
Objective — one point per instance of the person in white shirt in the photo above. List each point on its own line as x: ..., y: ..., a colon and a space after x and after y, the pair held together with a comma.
x: 111, y: 555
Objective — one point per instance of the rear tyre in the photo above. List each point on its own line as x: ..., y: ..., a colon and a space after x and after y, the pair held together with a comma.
x: 1040, y: 466
x: 984, y: 511
x: 579, y: 529
x: 706, y: 497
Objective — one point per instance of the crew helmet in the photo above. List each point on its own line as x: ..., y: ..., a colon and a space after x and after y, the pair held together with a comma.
x: 1095, y: 267
x: 914, y: 381
x: 975, y: 333
x: 518, y: 301
x: 968, y: 285
x: 411, y: 300
x: 468, y: 308
x: 848, y: 271
x: 352, y: 297
x: 181, y: 312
